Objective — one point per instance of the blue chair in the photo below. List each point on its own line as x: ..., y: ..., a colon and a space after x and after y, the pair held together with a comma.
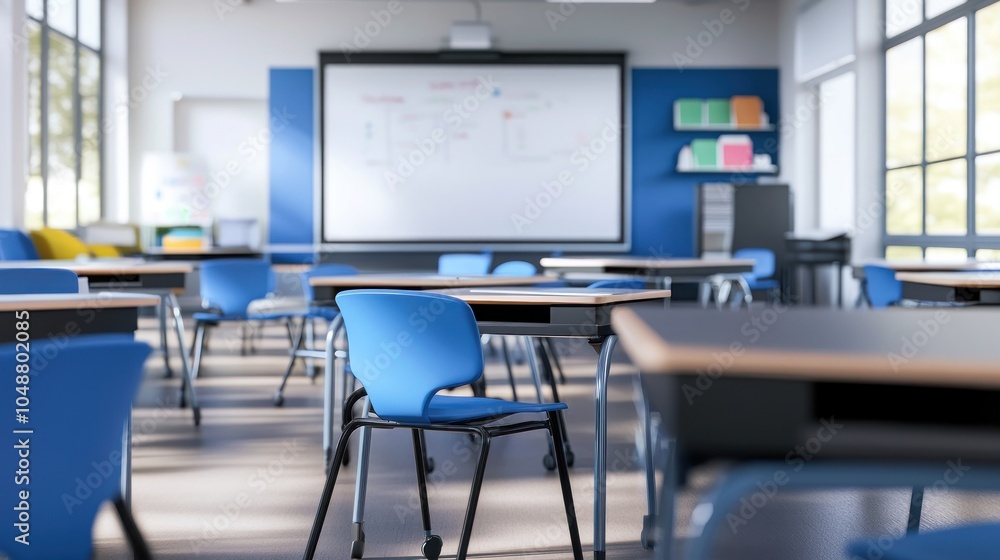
x: 968, y: 542
x: 302, y: 338
x: 624, y: 284
x: 78, y: 407
x: 515, y: 268
x: 465, y: 264
x: 15, y: 281
x: 881, y: 288
x: 762, y: 277
x: 15, y: 245
x: 227, y: 288
x: 405, y: 366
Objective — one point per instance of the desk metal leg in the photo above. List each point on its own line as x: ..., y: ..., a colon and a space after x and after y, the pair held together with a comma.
x: 607, y: 347
x: 664, y: 538
x: 188, y: 381
x: 163, y: 311
x: 329, y: 389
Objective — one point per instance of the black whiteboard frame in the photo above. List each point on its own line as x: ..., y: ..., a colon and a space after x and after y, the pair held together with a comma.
x: 620, y: 59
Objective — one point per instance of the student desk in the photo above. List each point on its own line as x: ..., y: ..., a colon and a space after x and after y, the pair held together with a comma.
x: 69, y: 315
x: 137, y: 276
x: 660, y: 271
x: 858, y: 270
x: 904, y: 384
x: 982, y: 287
x: 568, y: 313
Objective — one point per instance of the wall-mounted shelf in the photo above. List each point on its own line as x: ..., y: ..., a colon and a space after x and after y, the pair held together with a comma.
x: 724, y: 128
x: 770, y: 169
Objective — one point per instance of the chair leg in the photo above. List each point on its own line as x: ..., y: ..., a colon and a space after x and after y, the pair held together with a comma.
x: 279, y: 395
x: 555, y: 359
x: 555, y: 432
x: 547, y: 367
x: 431, y: 547
x: 163, y: 311
x: 916, y: 507
x: 477, y: 484
x: 324, y: 501
x: 510, y: 369
x: 140, y: 551
x: 199, y: 349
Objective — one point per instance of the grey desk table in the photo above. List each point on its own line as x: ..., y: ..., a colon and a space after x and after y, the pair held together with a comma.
x: 72, y: 315
x: 907, y: 384
x: 136, y: 276
x: 971, y: 287
x: 661, y: 272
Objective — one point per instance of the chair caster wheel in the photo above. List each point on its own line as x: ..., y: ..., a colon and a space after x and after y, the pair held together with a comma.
x: 431, y: 549
x: 570, y: 458
x: 648, y: 538
x: 429, y: 465
x: 550, y: 462
x: 278, y: 399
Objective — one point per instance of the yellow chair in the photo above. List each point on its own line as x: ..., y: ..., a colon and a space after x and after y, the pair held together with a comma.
x: 61, y: 245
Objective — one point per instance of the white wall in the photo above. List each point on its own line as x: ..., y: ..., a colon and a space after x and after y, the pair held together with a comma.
x: 209, y: 48
x: 13, y: 112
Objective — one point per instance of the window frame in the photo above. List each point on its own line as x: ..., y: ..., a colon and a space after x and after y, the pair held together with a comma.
x: 45, y: 30
x: 971, y: 241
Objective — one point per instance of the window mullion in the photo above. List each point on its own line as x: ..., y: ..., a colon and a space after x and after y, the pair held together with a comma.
x: 44, y: 114
x: 970, y: 129
x: 923, y: 130
x: 77, y: 118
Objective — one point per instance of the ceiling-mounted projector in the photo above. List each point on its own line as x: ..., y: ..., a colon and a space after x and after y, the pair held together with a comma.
x: 470, y: 35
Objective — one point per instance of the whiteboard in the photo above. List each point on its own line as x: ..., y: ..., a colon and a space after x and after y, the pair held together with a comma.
x: 473, y: 153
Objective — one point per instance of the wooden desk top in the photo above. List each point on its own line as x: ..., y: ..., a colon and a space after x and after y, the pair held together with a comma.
x: 550, y: 296
x: 856, y: 346
x: 48, y: 302
x: 427, y: 281
x: 638, y: 262
x: 110, y: 267
x: 982, y: 279
x: 160, y: 251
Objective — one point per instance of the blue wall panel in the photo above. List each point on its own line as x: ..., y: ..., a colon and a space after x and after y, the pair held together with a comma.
x: 292, y: 160
x: 662, y: 199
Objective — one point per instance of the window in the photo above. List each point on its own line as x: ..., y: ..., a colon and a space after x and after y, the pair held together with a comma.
x: 65, y: 113
x: 942, y: 153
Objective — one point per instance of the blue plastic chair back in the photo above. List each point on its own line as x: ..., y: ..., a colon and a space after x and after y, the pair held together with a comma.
x: 324, y: 270
x: 623, y: 284
x: 465, y: 264
x: 16, y: 246
x: 763, y: 266
x: 405, y: 346
x: 881, y: 286
x: 15, y: 281
x: 229, y: 285
x: 80, y: 394
x: 515, y: 268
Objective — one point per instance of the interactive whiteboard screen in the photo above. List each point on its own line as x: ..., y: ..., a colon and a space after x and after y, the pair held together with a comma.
x: 494, y: 153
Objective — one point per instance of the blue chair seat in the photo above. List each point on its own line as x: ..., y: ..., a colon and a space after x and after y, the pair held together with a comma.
x: 444, y: 409
x: 969, y: 542
x: 768, y: 284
